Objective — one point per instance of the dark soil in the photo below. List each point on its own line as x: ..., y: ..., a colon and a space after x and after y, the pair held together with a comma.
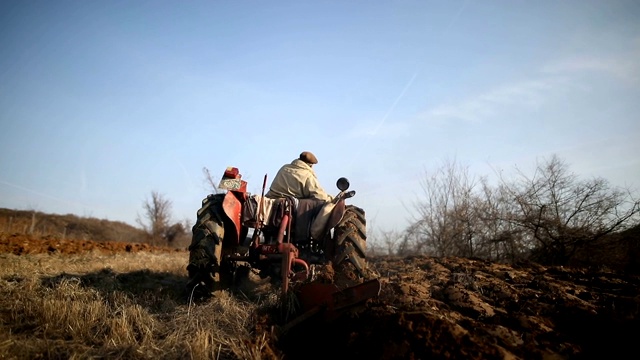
x: 453, y: 308
x: 20, y: 244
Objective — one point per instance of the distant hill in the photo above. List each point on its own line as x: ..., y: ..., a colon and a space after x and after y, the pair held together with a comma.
x: 68, y: 226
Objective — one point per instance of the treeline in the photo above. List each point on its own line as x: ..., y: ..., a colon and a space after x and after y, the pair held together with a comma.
x: 550, y: 217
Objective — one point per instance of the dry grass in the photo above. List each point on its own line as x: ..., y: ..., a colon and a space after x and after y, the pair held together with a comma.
x: 129, y: 306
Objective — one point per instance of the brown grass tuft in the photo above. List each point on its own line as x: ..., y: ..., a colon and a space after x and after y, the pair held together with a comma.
x: 130, y: 305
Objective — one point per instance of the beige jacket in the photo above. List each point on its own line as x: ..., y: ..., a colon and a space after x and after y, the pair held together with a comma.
x: 298, y: 180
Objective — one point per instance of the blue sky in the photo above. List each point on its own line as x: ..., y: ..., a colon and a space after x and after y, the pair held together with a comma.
x: 103, y: 102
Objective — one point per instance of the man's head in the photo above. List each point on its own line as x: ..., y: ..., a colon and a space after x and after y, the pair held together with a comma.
x: 308, y: 157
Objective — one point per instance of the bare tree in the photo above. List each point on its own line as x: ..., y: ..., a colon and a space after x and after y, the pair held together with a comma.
x: 446, y: 220
x: 157, y: 213
x: 392, y: 242
x: 210, y: 181
x: 562, y: 214
x: 548, y: 217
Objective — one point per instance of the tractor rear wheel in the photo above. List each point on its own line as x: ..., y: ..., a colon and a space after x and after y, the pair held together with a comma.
x: 205, y: 251
x: 350, y: 245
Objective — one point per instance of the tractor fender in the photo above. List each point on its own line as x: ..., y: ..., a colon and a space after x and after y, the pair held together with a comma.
x: 336, y: 214
x: 329, y: 216
x: 232, y: 207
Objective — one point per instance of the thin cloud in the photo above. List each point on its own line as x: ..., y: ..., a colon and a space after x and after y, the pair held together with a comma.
x: 557, y: 78
x: 625, y: 69
x: 622, y: 65
x: 526, y: 94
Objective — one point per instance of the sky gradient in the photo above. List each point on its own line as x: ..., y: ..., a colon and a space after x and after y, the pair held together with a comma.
x: 103, y: 102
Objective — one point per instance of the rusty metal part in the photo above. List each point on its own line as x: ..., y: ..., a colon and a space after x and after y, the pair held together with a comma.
x: 261, y: 220
x: 282, y: 229
x: 232, y: 207
x: 300, y: 275
x: 289, y: 257
x: 331, y: 301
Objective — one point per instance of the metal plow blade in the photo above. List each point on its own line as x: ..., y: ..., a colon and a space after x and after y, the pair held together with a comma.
x: 330, y: 301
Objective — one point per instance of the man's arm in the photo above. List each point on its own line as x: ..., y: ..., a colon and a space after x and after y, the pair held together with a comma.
x: 316, y: 191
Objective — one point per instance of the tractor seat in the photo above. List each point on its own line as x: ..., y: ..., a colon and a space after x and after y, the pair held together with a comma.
x: 304, y: 212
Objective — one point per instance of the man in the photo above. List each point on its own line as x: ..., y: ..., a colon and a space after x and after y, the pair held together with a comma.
x: 298, y: 179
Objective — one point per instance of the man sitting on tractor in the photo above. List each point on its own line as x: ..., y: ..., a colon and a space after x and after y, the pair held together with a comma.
x: 298, y: 179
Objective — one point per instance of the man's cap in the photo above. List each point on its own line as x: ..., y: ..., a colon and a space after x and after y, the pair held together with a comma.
x: 308, y: 157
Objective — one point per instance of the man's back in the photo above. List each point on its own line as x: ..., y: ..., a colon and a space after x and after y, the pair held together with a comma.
x: 297, y: 179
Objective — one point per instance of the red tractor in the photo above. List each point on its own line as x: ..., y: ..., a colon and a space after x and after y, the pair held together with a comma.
x: 313, y: 248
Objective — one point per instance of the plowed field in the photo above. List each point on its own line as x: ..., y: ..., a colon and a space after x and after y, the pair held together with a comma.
x: 452, y: 308
x: 20, y: 244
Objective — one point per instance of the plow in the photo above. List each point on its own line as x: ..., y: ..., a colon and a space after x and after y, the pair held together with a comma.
x: 312, y: 249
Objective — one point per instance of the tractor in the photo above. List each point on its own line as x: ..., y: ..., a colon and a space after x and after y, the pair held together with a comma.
x: 312, y: 248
